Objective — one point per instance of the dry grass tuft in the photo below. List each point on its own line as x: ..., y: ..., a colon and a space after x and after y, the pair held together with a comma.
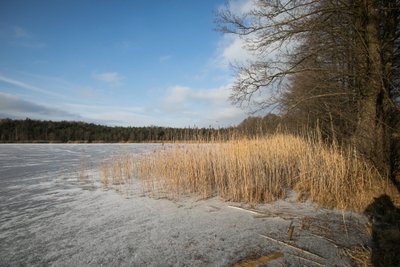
x: 360, y: 255
x: 263, y: 170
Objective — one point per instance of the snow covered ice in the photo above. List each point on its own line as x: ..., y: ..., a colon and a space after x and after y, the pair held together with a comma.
x: 49, y: 217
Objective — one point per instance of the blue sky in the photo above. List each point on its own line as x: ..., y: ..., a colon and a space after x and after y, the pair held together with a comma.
x: 128, y: 63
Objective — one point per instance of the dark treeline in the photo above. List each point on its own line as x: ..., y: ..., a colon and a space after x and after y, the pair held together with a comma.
x: 22, y: 131
x: 28, y: 130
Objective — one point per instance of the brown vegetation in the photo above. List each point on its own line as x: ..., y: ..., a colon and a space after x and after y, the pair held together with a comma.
x: 259, y: 170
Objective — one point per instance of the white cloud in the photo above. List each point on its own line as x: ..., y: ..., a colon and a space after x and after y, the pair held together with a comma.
x: 241, y: 51
x: 229, y: 115
x: 217, y: 96
x: 181, y: 95
x: 202, y: 107
x: 108, y: 77
x: 236, y: 50
x: 176, y: 97
x: 231, y: 50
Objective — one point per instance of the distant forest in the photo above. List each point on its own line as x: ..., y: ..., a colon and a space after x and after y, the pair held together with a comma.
x: 36, y: 131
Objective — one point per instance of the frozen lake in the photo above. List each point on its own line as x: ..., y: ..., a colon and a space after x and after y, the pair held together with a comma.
x: 49, y: 217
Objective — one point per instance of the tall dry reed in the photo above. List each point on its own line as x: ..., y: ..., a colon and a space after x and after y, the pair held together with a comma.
x: 265, y: 169
x: 83, y: 169
x: 118, y: 172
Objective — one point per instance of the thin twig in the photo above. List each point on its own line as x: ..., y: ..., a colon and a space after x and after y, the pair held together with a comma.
x: 248, y: 210
x: 292, y: 246
x: 282, y: 216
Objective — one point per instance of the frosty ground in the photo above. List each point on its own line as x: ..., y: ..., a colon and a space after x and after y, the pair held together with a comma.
x: 49, y: 216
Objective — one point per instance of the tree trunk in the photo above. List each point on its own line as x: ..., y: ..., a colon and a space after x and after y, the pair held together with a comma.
x: 372, y: 138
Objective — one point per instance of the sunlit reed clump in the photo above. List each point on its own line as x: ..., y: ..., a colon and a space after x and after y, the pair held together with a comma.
x: 263, y: 170
x: 104, y: 173
x: 117, y: 173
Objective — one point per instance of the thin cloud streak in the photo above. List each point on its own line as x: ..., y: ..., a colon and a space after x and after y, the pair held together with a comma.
x: 109, y: 77
x: 27, y: 86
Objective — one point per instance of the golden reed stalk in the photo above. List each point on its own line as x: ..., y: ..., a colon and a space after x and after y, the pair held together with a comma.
x: 259, y: 170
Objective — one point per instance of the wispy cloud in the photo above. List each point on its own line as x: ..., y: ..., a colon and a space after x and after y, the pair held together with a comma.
x: 16, y: 107
x: 108, y: 77
x: 21, y: 33
x: 165, y: 58
x: 27, y: 86
x: 23, y: 38
x: 115, y: 115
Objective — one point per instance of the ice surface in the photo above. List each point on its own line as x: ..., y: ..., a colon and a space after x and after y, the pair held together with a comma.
x: 48, y: 217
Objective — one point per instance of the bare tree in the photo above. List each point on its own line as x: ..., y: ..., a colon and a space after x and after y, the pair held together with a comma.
x: 334, y: 60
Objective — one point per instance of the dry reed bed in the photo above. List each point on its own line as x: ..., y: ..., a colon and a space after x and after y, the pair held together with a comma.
x: 259, y: 170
